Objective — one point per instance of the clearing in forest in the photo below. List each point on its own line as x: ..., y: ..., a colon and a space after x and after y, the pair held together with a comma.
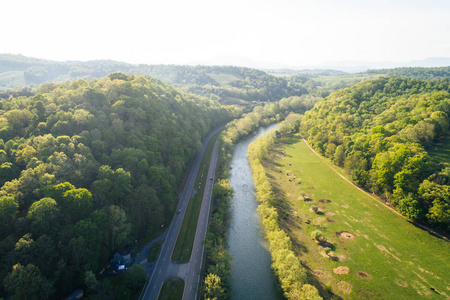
x: 365, y: 249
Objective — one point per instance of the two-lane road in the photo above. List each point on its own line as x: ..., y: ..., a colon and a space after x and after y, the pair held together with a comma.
x: 165, y: 268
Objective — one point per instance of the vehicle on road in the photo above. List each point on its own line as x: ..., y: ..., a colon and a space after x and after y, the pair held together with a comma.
x: 179, y: 211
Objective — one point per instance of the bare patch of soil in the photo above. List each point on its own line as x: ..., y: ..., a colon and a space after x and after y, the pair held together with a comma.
x: 344, y: 286
x: 318, y: 273
x: 330, y: 213
x: 345, y: 234
x: 362, y: 274
x: 340, y: 257
x: 330, y: 220
x: 341, y: 270
x: 368, y: 213
x: 318, y: 220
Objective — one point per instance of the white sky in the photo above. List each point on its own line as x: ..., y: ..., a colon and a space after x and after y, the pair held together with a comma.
x: 292, y: 32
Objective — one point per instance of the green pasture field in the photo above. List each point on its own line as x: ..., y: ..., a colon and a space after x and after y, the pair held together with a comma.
x: 172, y: 289
x: 224, y: 79
x: 347, y: 78
x: 11, y: 79
x: 373, y: 253
x: 185, y: 241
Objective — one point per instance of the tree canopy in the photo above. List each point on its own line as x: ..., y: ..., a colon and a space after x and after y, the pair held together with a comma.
x: 86, y: 167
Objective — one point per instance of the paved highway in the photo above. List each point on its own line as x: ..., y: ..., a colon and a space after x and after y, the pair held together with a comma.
x: 165, y: 268
x: 192, y: 279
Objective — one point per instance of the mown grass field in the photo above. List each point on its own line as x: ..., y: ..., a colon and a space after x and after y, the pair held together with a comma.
x: 375, y: 253
x: 349, y: 78
x: 185, y: 241
x: 10, y: 79
x: 224, y: 79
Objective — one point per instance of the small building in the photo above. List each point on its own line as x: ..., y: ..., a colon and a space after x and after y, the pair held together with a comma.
x: 122, y: 257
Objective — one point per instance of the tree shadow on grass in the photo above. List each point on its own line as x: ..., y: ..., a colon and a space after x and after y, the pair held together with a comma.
x: 291, y: 139
x: 323, y: 290
x: 440, y: 235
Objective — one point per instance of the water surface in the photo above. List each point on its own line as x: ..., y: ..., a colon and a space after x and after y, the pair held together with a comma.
x: 252, y: 276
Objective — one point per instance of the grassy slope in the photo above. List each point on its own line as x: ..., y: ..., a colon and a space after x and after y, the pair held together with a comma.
x: 402, y: 261
x: 183, y: 247
x: 10, y: 79
x: 346, y: 78
x: 224, y: 79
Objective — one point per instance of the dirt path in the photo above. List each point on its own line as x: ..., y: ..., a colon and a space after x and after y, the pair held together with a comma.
x: 368, y: 194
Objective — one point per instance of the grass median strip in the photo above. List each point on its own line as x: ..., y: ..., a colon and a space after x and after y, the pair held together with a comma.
x: 154, y: 252
x: 172, y: 289
x: 183, y: 247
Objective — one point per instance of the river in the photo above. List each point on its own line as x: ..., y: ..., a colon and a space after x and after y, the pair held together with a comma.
x: 252, y: 276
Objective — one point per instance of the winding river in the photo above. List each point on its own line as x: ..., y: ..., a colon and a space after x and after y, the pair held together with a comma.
x: 251, y: 272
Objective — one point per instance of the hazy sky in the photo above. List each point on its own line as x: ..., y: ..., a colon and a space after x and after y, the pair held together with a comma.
x: 291, y: 32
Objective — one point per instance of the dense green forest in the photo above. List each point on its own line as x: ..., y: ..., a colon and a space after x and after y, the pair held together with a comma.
x: 380, y: 131
x: 86, y: 167
x: 233, y: 85
x: 419, y: 73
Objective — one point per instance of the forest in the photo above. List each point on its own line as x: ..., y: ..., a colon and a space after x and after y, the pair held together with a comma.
x: 87, y: 167
x: 237, y: 85
x: 381, y: 131
x: 419, y: 73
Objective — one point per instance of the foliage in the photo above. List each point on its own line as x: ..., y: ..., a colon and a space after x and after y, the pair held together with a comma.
x: 241, y: 83
x: 213, y: 287
x: 316, y: 235
x: 380, y: 131
x: 26, y: 282
x: 415, y: 72
x: 86, y: 166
